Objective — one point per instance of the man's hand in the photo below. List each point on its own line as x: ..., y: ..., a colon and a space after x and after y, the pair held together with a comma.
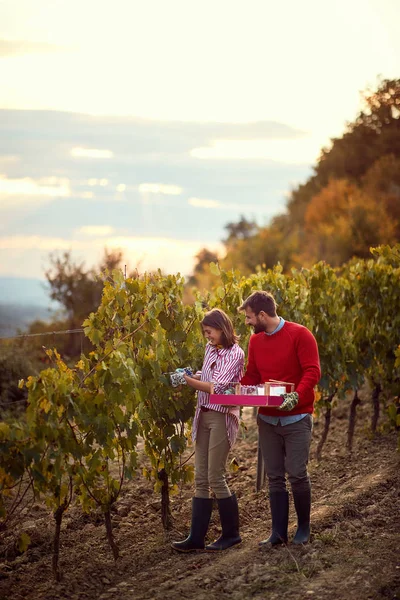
x: 289, y: 401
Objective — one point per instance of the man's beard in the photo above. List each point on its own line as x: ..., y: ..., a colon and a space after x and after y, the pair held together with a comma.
x: 259, y: 327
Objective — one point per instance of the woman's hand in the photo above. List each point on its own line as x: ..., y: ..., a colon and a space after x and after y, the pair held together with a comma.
x: 191, y: 379
x: 194, y: 382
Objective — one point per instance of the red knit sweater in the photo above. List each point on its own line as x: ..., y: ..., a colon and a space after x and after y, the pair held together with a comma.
x: 289, y: 355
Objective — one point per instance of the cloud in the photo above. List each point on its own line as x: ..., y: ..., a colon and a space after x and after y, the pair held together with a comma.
x: 21, y: 47
x: 95, y: 230
x: 8, y: 159
x: 91, y: 153
x: 93, y: 182
x: 152, y: 188
x: 49, y: 186
x: 129, y: 136
x: 26, y: 190
x: 37, y: 242
x: 160, y: 188
x: 204, y: 203
x: 160, y: 252
x: 146, y: 253
x: 226, y: 206
x: 295, y: 150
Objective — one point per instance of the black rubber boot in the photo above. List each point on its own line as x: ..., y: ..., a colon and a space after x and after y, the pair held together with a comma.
x: 201, y: 514
x: 229, y: 515
x: 279, y: 503
x: 302, y: 503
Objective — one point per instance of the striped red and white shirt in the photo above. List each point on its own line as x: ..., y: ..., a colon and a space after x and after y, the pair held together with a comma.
x: 221, y: 366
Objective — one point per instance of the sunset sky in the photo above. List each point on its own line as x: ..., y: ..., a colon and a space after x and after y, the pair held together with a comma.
x: 160, y: 122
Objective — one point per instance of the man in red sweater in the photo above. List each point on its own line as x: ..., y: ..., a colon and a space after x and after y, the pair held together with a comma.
x: 283, y: 351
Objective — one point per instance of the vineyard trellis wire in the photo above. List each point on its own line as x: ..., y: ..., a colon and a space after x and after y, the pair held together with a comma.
x: 41, y: 334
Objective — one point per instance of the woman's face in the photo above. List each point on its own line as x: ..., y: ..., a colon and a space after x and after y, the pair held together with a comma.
x: 212, y: 335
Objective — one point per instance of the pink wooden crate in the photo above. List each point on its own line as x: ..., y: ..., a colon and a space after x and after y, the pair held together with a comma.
x: 252, y: 399
x: 245, y: 400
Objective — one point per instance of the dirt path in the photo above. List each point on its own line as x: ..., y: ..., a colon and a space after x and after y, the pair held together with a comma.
x: 353, y: 554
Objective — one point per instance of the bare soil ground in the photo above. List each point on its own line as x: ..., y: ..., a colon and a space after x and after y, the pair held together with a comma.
x: 353, y: 554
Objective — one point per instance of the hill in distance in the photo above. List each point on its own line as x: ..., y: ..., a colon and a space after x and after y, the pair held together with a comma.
x: 23, y: 300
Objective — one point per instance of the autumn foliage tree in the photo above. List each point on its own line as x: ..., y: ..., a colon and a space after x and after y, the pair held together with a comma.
x: 350, y: 203
x: 342, y: 221
x: 382, y: 182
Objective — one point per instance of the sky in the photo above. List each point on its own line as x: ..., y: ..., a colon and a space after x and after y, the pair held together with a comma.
x: 149, y: 126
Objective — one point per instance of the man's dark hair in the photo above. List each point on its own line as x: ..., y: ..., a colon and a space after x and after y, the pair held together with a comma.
x: 260, y: 301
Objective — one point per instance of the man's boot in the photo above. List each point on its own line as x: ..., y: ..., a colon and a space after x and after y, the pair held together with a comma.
x: 201, y: 514
x: 279, y: 503
x: 229, y: 515
x: 302, y: 503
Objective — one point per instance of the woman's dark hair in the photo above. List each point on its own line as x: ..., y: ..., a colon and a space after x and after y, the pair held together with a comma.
x: 260, y: 301
x: 217, y: 319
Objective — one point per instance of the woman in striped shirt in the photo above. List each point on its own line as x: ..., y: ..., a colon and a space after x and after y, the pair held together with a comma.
x: 215, y: 428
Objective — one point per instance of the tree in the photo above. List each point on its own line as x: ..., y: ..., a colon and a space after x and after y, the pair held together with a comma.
x: 242, y: 230
x: 262, y: 249
x: 382, y: 182
x: 366, y: 157
x: 342, y: 221
x: 374, y: 133
x: 202, y: 276
x: 78, y: 290
x: 356, y: 156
